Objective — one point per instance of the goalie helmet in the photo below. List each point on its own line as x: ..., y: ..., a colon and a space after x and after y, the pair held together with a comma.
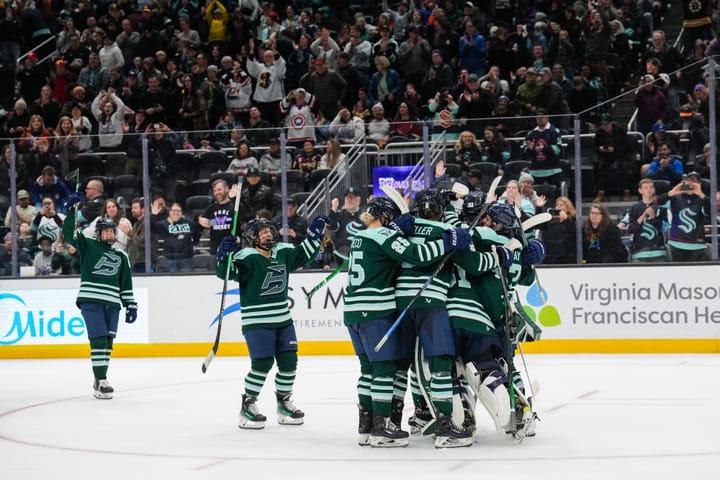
x: 428, y: 204
x: 102, y: 224
x: 472, y: 205
x: 252, y: 233
x: 504, y: 216
x: 383, y: 209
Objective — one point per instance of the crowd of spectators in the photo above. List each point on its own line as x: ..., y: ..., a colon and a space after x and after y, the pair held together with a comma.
x: 213, y: 75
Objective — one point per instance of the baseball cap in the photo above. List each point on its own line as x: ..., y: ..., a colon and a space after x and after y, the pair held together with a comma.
x: 686, y: 111
x: 475, y: 174
x: 694, y: 174
x: 291, y: 201
x: 319, y: 61
x: 658, y: 127
x: 532, y: 70
x: 545, y: 71
x: 132, y: 73
x: 352, y: 191
x: 252, y: 171
x: 22, y: 194
x: 472, y: 77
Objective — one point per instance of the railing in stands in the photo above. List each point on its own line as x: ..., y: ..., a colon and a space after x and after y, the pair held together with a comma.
x: 37, y: 48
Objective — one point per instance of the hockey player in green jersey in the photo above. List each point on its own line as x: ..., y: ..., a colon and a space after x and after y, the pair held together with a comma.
x: 426, y: 327
x: 105, y: 287
x: 370, y: 309
x: 477, y: 307
x: 262, y: 271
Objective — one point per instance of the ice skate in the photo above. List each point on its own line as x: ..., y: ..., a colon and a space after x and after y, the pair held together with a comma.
x: 396, y: 411
x: 365, y: 426
x: 386, y: 434
x: 449, y: 435
x: 250, y: 416
x: 102, y: 389
x: 420, y: 421
x: 288, y: 413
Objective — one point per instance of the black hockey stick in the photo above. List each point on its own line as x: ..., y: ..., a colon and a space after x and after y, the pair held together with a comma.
x: 215, y: 346
x: 490, y: 197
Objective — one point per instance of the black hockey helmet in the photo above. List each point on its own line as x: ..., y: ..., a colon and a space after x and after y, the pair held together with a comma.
x: 383, y: 209
x: 253, y: 229
x: 472, y: 205
x: 102, y: 224
x: 503, y: 215
x: 428, y: 204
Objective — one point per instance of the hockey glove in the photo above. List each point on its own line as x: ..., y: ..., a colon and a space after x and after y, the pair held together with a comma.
x: 72, y: 199
x: 229, y: 244
x: 130, y: 312
x: 456, y: 239
x: 504, y: 257
x: 404, y: 224
x: 534, y: 253
x: 317, y: 226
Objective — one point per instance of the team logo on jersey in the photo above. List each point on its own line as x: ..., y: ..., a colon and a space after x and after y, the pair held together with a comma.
x: 275, y: 281
x: 108, y: 265
x: 687, y: 223
x: 298, y: 121
x: 648, y: 231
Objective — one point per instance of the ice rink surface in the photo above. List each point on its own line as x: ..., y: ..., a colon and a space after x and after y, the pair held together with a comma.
x: 604, y: 417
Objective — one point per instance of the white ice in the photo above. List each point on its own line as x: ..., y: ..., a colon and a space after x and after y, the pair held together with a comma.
x: 608, y: 417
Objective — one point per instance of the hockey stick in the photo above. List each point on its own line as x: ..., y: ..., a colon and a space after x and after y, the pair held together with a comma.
x: 488, y: 199
x: 215, y: 346
x: 327, y: 279
x: 75, y: 173
x: 509, y: 353
x: 396, y: 198
x: 543, y: 218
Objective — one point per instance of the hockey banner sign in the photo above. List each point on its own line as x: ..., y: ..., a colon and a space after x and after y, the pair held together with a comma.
x: 50, y: 317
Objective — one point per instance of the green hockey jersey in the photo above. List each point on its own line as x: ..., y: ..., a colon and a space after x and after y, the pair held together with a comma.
x: 411, y: 277
x: 264, y: 282
x: 105, y: 274
x: 375, y: 256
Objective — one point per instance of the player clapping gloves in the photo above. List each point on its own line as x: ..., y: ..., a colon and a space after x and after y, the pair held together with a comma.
x: 533, y: 253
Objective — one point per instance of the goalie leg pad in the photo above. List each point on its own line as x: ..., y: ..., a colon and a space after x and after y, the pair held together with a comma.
x: 493, y: 394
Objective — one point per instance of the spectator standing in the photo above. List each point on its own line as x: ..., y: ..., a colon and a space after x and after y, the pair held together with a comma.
x: 218, y: 215
x: 345, y: 221
x: 558, y: 235
x: 472, y: 50
x: 297, y: 224
x: 690, y: 209
x: 414, y: 57
x: 269, y: 75
x: 109, y: 111
x: 255, y: 196
x: 647, y: 223
x: 611, y: 149
x: 49, y: 185
x: 123, y: 228
x: 178, y: 235
x: 542, y: 147
x: 602, y: 242
x: 298, y: 109
x: 328, y: 87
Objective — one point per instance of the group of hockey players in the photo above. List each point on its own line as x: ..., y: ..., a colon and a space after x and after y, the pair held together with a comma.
x: 459, y: 320
x: 429, y: 301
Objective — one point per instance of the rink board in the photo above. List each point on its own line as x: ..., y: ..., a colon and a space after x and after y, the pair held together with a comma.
x: 629, y: 309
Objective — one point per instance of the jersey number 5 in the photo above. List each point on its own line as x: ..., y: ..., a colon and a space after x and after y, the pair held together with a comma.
x: 356, y: 272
